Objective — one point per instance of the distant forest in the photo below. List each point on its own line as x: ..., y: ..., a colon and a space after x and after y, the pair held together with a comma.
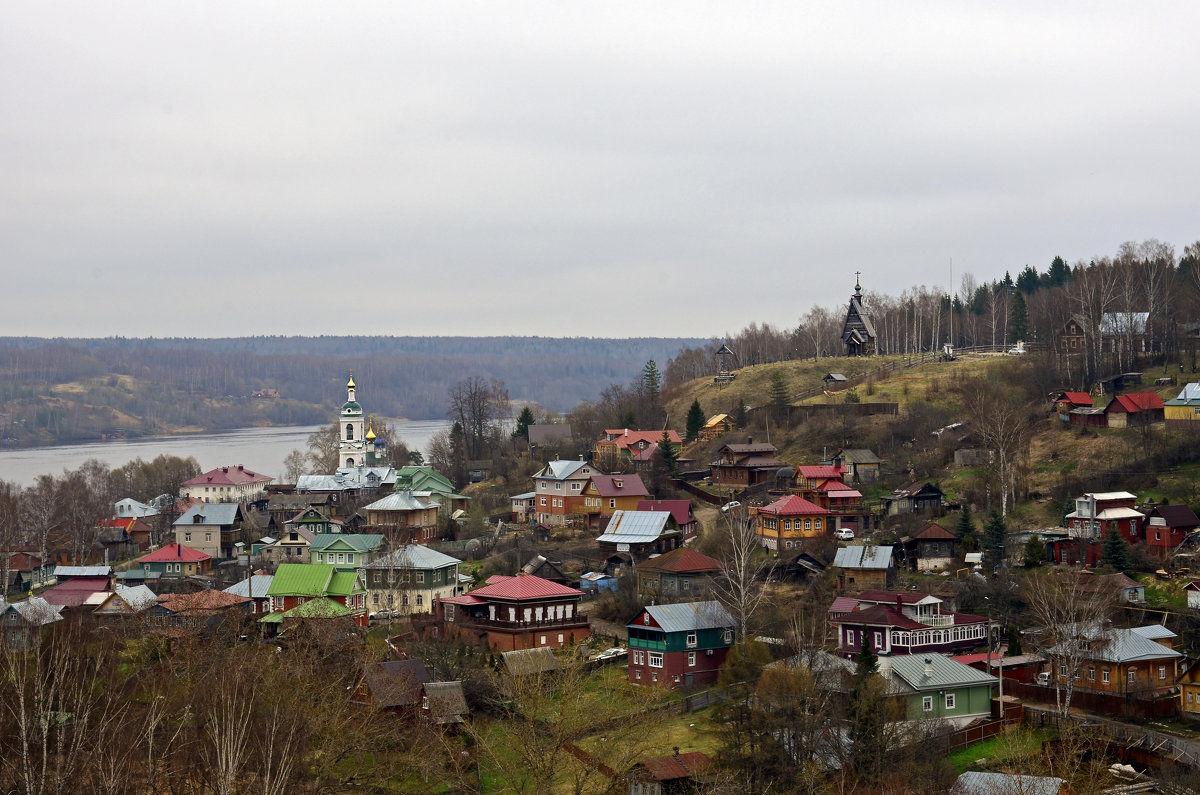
x: 64, y: 390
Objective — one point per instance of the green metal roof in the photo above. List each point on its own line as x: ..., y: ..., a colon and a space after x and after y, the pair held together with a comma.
x: 348, y: 542
x: 423, y: 478
x: 321, y: 607
x: 351, y: 405
x: 301, y: 579
x: 343, y: 583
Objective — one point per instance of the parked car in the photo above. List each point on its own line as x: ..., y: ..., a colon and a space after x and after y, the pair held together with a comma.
x: 843, y: 534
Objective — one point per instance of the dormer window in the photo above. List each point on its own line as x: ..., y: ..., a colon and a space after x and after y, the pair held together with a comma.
x: 619, y: 483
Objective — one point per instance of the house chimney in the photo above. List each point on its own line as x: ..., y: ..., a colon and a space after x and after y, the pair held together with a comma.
x: 899, y: 604
x: 626, y: 431
x: 885, y: 666
x: 928, y: 668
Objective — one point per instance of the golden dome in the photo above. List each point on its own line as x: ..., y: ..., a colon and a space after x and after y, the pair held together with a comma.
x: 370, y: 434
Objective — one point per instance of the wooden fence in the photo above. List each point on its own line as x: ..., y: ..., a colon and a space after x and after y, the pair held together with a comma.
x: 1128, y: 706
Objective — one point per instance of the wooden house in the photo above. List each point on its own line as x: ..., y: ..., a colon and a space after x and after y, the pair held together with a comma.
x: 787, y: 522
x: 932, y: 548
x: 1183, y: 410
x: 743, y: 465
x: 1135, y: 663
x: 681, y: 513
x: 1064, y: 402
x: 636, y: 535
x: 914, y: 498
x: 861, y: 568
x: 679, y: 644
x: 859, y: 465
x: 1166, y: 527
x: 904, y: 623
x: 604, y: 495
x: 679, y: 575
x: 295, y: 584
x: 677, y: 774
x: 176, y: 560
x: 1134, y: 409
x: 509, y: 613
x: 716, y: 427
x: 933, y: 686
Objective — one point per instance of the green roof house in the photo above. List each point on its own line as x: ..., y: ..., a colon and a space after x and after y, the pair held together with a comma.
x: 296, y: 584
x: 347, y: 550
x: 935, y: 686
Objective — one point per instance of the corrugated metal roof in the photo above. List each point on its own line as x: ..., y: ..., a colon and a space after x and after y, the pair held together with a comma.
x: 82, y: 571
x: 211, y: 513
x: 944, y: 672
x: 258, y: 585
x: 976, y: 783
x: 863, y: 557
x: 402, y: 501
x: 687, y: 616
x: 301, y: 579
x: 1121, y: 646
x: 635, y: 527
x: 413, y: 556
x: 1154, y: 632
x: 359, y: 542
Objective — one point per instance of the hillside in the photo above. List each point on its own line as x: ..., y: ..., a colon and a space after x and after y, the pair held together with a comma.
x: 1061, y: 460
x: 61, y: 390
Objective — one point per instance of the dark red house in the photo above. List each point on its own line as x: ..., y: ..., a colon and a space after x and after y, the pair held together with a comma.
x: 679, y: 645
x: 1166, y: 526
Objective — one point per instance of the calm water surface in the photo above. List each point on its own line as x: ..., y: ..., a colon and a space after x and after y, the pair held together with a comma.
x: 258, y: 449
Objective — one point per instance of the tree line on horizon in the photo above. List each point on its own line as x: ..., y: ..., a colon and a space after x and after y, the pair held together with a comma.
x: 1147, y: 277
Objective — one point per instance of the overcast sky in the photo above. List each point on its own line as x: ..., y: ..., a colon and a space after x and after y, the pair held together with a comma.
x: 599, y: 169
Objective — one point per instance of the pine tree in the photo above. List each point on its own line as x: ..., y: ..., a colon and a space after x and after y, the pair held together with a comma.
x: 867, y: 717
x: 1018, y: 320
x: 524, y: 420
x: 778, y: 396
x: 995, y: 532
x: 1014, y: 641
x: 695, y: 421
x: 1115, y: 552
x: 966, y: 529
x: 670, y: 455
x: 1035, y: 552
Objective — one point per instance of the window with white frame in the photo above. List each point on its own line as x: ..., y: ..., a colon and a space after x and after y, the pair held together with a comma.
x: 655, y: 659
x: 1104, y: 675
x: 949, y: 701
x: 691, y: 640
x: 691, y: 658
x: 729, y: 636
x: 420, y: 576
x: 1132, y: 676
x: 927, y: 704
x: 1162, y: 672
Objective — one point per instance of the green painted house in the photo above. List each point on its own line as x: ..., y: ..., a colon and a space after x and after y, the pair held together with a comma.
x: 295, y: 584
x: 347, y: 550
x: 935, y: 686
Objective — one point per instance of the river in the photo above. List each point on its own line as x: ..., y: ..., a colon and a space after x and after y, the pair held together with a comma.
x: 258, y: 449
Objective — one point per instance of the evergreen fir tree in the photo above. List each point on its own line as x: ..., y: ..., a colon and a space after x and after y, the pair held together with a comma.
x: 1014, y: 641
x: 1018, y: 320
x: 1115, y: 552
x: 867, y: 718
x: 778, y: 396
x: 695, y: 421
x: 1035, y: 552
x: 670, y: 455
x: 524, y: 420
x: 966, y: 529
x: 995, y: 533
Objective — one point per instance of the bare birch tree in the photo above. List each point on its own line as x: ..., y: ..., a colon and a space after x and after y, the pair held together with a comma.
x: 741, y: 585
x: 1070, y: 616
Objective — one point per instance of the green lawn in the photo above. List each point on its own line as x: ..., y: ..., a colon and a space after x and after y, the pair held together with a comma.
x: 997, y: 751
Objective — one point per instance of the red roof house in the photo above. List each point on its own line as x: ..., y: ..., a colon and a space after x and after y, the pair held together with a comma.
x: 176, y: 560
x: 77, y: 592
x: 226, y: 484
x: 785, y: 523
x: 1136, y: 408
x: 510, y: 613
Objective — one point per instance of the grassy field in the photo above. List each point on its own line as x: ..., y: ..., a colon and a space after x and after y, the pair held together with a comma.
x: 993, y: 754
